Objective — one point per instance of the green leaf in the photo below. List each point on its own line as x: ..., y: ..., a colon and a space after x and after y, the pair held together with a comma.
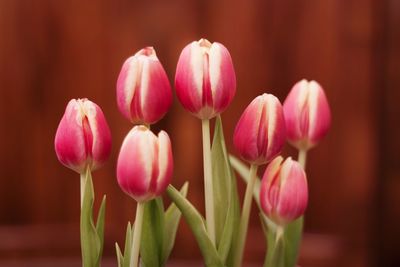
x: 128, y: 245
x: 172, y: 218
x: 90, y: 241
x: 196, y: 224
x: 292, y: 240
x: 120, y: 257
x: 221, y: 185
x: 233, y: 221
x: 151, y: 244
x: 100, y: 226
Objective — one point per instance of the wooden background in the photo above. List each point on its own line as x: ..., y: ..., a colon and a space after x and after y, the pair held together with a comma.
x: 52, y: 51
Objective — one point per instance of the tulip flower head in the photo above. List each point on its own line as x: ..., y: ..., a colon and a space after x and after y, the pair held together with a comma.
x: 143, y: 90
x: 83, y: 138
x: 205, y: 79
x: 284, y: 191
x: 260, y: 133
x: 307, y: 114
x: 145, y: 164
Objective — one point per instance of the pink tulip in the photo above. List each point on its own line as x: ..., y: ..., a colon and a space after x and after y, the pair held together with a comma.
x: 205, y: 79
x: 145, y: 164
x: 307, y: 114
x: 284, y: 192
x: 260, y: 133
x: 83, y: 138
x: 143, y: 90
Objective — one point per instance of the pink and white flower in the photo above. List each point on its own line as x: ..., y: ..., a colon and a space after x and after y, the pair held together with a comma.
x: 83, y: 138
x: 205, y: 79
x: 284, y: 191
x: 307, y: 114
x: 143, y: 90
x: 260, y: 132
x: 145, y: 164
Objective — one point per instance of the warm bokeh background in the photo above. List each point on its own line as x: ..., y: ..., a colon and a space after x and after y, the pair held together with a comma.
x: 52, y: 51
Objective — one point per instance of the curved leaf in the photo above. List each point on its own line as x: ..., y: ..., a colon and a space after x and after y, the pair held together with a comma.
x: 172, y: 218
x: 196, y: 224
x: 221, y: 185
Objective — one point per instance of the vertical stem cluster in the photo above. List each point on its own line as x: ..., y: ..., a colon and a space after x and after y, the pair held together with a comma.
x: 137, y: 232
x: 244, y: 220
x: 208, y: 183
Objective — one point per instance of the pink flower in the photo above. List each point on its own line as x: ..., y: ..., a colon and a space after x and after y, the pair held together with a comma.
x: 307, y: 114
x: 83, y: 138
x: 145, y: 164
x: 284, y: 192
x: 260, y: 133
x: 205, y: 79
x: 143, y: 91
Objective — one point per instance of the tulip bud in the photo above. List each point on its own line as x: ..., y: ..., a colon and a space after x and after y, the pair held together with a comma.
x: 284, y: 192
x: 205, y: 79
x: 260, y: 133
x: 307, y: 114
x: 143, y: 91
x: 145, y: 164
x: 83, y: 138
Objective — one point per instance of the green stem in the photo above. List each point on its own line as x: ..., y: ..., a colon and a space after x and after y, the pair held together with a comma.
x: 208, y: 184
x: 244, y: 220
x: 137, y: 232
x: 302, y: 158
x: 278, y: 251
x: 83, y: 184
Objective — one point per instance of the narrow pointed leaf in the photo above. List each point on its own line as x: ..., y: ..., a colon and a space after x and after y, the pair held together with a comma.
x: 196, y: 224
x: 100, y: 225
x: 228, y: 240
x: 128, y: 245
x: 221, y: 184
x: 172, y: 218
x: 236, y: 221
x: 151, y: 244
x: 120, y: 257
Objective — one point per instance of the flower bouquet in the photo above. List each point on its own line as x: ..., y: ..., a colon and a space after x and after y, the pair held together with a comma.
x: 205, y: 84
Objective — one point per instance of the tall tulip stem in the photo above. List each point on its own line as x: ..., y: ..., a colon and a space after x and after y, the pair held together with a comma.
x: 244, y: 220
x: 84, y: 177
x: 83, y: 183
x: 208, y: 183
x: 137, y: 232
x: 302, y: 158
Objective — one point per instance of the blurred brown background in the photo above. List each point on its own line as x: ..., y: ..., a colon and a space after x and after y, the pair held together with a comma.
x: 52, y: 51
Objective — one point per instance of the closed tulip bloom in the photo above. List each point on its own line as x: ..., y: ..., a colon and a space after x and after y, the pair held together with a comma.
x: 307, y: 114
x: 260, y: 133
x: 205, y: 79
x: 145, y: 164
x: 143, y: 90
x: 83, y: 138
x: 284, y: 191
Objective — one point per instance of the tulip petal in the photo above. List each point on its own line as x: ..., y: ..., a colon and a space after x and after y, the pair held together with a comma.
x: 69, y: 140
